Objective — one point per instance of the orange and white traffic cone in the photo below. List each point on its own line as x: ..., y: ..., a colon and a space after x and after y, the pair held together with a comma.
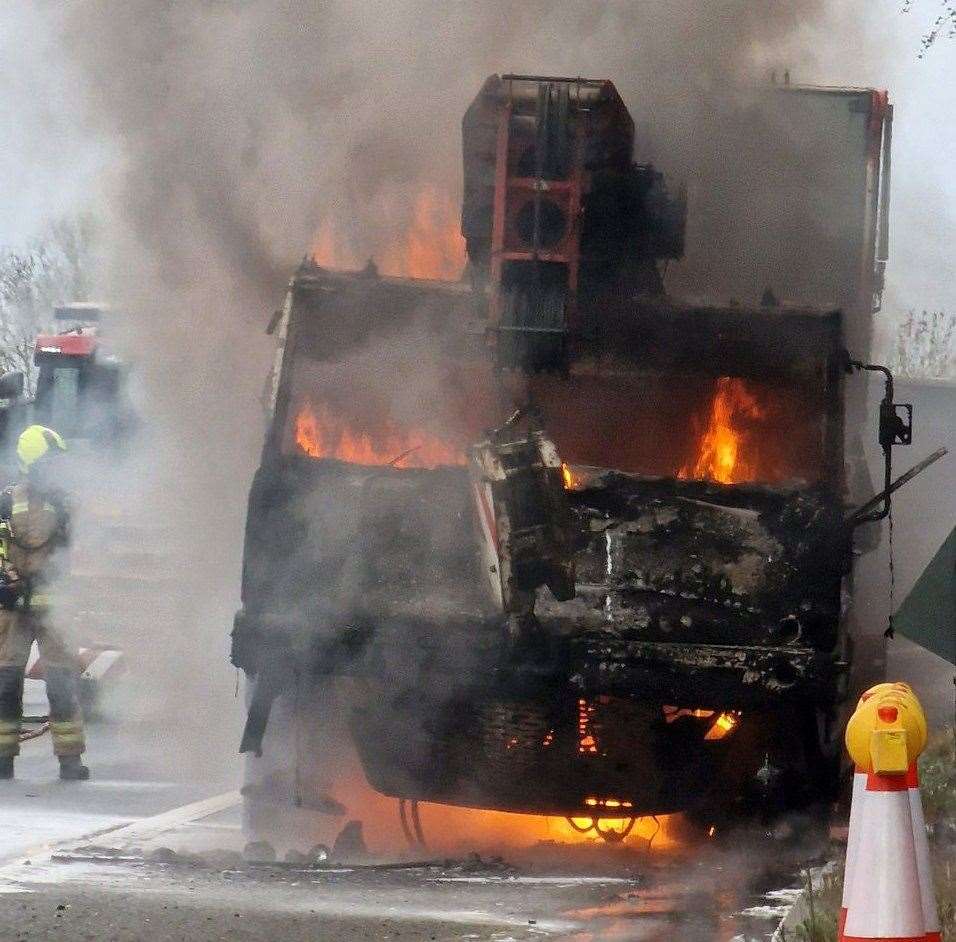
x: 856, y: 801
x: 885, y: 900
x: 852, y: 840
x: 883, y: 890
x: 924, y: 867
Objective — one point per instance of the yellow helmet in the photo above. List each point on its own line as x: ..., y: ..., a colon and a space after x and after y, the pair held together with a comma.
x: 35, y: 442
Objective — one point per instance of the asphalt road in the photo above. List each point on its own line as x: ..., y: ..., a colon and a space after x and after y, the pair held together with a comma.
x: 56, y: 883
x: 129, y: 783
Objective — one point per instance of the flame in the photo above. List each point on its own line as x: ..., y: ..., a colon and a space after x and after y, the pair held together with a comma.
x: 448, y: 827
x: 614, y: 803
x: 720, y: 455
x: 320, y: 435
x: 331, y: 249
x: 432, y: 247
x: 587, y: 744
x: 723, y: 726
x: 455, y: 830
x: 672, y: 713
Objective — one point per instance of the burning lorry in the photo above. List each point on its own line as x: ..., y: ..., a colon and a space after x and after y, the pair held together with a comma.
x: 566, y: 544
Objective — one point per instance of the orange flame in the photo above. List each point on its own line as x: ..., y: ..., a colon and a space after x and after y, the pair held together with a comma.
x: 723, y: 726
x: 433, y: 246
x: 331, y: 249
x: 430, y: 245
x: 720, y: 455
x: 587, y: 744
x: 450, y: 829
x: 568, y: 476
x: 320, y: 435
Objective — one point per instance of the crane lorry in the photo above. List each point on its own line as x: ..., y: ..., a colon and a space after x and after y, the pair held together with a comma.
x: 572, y: 544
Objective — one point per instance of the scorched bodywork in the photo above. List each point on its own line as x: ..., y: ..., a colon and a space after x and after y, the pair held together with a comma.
x: 570, y: 551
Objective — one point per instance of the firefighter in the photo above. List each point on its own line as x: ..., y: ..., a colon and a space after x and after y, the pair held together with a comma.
x: 34, y: 530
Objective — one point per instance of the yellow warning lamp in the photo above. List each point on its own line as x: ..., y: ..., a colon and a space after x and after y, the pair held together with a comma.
x: 894, y: 687
x: 887, y: 730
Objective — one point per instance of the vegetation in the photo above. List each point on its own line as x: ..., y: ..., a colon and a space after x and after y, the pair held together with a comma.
x: 824, y: 903
x: 942, y: 26
x: 937, y: 769
x: 926, y: 346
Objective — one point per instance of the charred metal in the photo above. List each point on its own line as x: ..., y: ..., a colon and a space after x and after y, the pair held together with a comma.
x: 610, y: 553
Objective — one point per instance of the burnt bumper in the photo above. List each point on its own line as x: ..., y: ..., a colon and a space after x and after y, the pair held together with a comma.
x: 731, y: 676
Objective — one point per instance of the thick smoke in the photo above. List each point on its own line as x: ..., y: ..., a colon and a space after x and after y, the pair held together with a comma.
x: 242, y: 127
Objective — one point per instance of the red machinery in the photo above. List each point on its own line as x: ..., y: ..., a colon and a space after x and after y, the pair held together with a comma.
x: 81, y: 385
x: 555, y: 210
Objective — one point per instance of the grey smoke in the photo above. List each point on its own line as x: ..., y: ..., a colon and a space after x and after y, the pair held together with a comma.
x: 235, y: 129
x: 241, y: 125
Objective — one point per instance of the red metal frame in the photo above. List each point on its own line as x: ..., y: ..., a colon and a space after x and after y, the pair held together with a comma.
x: 67, y: 345
x: 512, y: 193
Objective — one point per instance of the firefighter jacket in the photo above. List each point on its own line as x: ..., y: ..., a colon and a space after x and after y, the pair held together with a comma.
x: 34, y: 529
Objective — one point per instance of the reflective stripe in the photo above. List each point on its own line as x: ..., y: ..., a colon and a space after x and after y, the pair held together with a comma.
x: 21, y: 507
x: 39, y: 600
x: 67, y: 736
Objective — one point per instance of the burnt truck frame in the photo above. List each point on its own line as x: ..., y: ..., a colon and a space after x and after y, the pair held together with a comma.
x: 704, y: 656
x: 374, y: 573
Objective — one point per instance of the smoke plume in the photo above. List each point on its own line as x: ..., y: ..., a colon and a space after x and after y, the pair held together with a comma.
x: 241, y: 128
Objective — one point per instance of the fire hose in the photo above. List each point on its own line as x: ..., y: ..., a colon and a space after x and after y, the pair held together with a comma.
x: 44, y: 727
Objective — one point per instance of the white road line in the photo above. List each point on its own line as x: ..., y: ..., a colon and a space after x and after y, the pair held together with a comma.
x: 149, y: 828
x: 138, y: 831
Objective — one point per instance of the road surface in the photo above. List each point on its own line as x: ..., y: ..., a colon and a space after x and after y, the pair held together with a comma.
x: 178, y: 874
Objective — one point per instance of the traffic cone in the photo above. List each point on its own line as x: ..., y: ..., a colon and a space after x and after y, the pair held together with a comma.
x: 852, y: 840
x: 859, y: 787
x: 924, y: 867
x: 884, y: 900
